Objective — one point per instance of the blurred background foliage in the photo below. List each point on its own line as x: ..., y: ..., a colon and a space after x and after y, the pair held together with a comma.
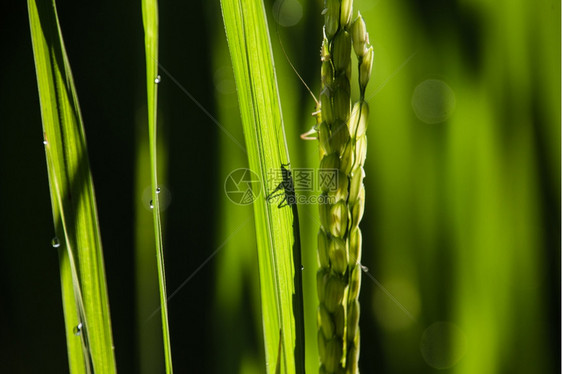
x: 462, y: 223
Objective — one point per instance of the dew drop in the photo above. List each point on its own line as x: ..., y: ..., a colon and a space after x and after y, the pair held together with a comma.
x: 78, y: 329
x: 151, y: 205
x: 158, y: 190
x: 55, y: 242
x: 302, y: 267
x: 45, y: 142
x: 158, y: 79
x: 364, y: 268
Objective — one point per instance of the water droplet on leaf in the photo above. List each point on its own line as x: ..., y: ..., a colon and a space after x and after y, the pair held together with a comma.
x: 55, y: 242
x: 151, y: 205
x: 158, y: 190
x: 78, y: 329
x: 158, y: 79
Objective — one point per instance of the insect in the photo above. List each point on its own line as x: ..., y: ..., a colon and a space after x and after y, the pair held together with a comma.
x: 287, y: 188
x: 288, y: 193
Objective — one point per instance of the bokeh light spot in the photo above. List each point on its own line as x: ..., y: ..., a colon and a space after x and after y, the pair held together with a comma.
x: 224, y: 80
x: 287, y: 13
x: 433, y: 101
x: 442, y: 345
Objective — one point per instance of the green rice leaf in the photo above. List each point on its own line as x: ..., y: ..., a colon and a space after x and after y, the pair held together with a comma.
x: 150, y: 22
x: 250, y: 51
x: 85, y: 301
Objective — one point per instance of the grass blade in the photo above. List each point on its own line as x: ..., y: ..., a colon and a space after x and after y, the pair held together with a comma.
x: 85, y: 301
x: 149, y: 331
x: 150, y: 22
x: 250, y: 51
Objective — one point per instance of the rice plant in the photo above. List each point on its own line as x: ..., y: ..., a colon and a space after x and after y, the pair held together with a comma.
x: 343, y: 147
x: 150, y: 22
x: 85, y: 301
x: 250, y: 51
